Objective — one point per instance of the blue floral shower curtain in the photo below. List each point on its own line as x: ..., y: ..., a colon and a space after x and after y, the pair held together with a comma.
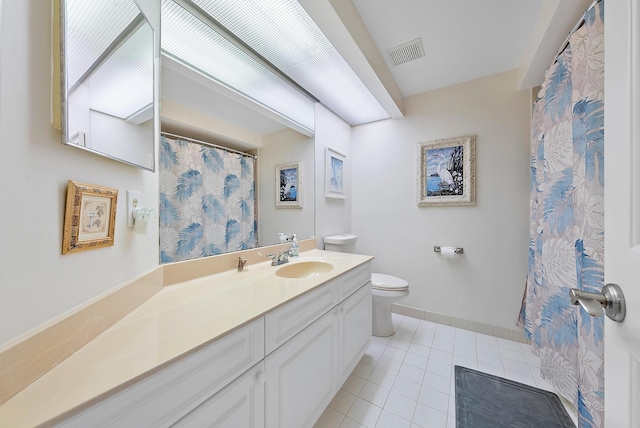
x: 207, y: 201
x: 566, y: 240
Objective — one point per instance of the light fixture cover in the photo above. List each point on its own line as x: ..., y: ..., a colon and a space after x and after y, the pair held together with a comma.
x: 195, y: 43
x: 123, y: 85
x: 284, y: 34
x: 92, y: 26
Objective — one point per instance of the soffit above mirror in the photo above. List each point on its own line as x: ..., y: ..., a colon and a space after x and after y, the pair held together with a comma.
x: 184, y: 90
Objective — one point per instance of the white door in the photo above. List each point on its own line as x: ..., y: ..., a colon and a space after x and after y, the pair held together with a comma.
x: 622, y: 209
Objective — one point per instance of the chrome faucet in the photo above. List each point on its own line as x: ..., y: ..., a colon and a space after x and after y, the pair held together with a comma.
x: 281, y: 258
x: 241, y: 263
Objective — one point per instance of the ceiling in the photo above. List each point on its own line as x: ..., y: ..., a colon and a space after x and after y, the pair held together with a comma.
x: 463, y: 40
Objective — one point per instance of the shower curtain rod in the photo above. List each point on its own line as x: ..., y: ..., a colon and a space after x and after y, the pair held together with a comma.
x: 574, y: 29
x: 205, y: 143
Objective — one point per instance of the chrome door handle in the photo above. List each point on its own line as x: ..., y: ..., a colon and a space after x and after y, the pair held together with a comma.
x: 611, y: 300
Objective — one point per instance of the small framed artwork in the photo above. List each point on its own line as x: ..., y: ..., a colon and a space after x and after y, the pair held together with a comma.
x: 334, y: 185
x: 289, y: 185
x: 446, y: 172
x: 89, y: 218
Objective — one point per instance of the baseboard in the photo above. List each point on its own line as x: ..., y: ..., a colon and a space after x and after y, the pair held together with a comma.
x: 517, y: 335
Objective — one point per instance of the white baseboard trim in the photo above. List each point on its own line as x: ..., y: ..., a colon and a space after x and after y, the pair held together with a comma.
x: 517, y: 335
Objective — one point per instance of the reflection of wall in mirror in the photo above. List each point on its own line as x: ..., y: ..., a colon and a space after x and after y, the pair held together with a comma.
x: 121, y: 139
x: 78, y: 116
x: 286, y: 146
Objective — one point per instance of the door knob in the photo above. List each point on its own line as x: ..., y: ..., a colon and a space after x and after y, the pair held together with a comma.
x: 611, y: 300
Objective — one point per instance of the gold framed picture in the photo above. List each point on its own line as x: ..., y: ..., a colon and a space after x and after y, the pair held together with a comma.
x: 89, y: 218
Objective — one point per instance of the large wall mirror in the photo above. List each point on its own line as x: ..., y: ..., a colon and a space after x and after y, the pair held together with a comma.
x: 214, y: 90
x: 108, y: 52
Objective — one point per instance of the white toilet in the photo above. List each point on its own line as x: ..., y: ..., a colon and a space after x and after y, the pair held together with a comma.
x: 386, y: 289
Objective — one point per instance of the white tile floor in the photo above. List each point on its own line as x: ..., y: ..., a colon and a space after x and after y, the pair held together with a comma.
x: 406, y: 381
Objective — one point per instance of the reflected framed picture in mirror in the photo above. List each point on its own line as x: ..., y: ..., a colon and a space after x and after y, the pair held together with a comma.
x: 334, y: 185
x: 89, y: 218
x: 289, y: 185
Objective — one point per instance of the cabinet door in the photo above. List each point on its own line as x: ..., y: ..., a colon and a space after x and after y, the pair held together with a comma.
x: 239, y: 405
x: 354, y: 315
x: 302, y: 375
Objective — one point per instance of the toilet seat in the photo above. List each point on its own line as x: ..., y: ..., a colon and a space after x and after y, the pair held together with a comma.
x: 383, y: 282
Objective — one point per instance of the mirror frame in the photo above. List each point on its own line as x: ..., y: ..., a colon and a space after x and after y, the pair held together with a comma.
x: 64, y: 99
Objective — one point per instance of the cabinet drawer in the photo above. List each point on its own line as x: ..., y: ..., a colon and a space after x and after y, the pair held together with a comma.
x: 239, y: 405
x: 282, y: 324
x: 353, y: 280
x: 163, y: 398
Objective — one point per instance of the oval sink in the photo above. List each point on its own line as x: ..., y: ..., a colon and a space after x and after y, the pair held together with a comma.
x: 306, y: 269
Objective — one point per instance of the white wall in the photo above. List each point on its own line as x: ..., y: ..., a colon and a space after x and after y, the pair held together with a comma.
x: 333, y: 216
x: 486, y: 283
x: 282, y: 147
x: 121, y: 139
x: 37, y: 283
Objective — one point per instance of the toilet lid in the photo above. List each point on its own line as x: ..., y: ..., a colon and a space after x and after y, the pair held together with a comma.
x: 381, y: 281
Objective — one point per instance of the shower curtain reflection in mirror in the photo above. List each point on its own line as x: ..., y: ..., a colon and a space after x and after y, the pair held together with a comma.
x: 207, y: 201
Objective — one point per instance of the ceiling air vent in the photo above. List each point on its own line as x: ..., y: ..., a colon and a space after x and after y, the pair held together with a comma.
x: 406, y: 52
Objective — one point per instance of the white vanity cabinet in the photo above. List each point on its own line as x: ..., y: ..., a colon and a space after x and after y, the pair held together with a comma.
x: 304, y: 373
x: 280, y: 371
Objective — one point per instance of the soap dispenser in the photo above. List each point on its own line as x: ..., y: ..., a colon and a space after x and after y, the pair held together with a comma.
x: 295, y: 249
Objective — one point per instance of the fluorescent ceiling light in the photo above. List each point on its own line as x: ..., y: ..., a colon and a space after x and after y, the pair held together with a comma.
x: 283, y: 33
x: 92, y: 26
x: 194, y: 41
x: 123, y: 84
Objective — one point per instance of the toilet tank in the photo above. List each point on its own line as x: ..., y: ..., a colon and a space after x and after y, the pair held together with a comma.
x: 343, y: 243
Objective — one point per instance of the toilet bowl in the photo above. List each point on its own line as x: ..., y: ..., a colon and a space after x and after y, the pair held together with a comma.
x: 385, y: 289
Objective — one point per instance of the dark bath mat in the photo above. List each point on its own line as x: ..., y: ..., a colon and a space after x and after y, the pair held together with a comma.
x: 488, y: 401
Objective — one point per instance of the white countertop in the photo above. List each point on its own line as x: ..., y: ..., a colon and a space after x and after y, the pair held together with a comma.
x: 175, y: 322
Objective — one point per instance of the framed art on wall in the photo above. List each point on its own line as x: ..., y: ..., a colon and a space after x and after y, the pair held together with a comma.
x: 446, y: 172
x: 334, y: 185
x: 289, y: 185
x: 90, y: 217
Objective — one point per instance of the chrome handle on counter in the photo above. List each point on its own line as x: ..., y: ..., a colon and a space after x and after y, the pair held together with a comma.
x: 611, y: 300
